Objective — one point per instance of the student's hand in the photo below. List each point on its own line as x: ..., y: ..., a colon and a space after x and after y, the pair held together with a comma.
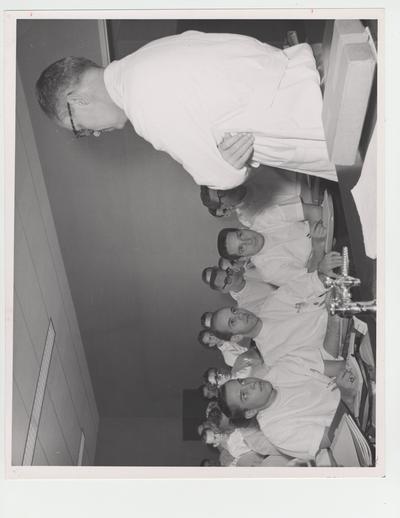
x: 236, y: 149
x: 347, y: 383
x: 331, y: 261
x: 318, y: 231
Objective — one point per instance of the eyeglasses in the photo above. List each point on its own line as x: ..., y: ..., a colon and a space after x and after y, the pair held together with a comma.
x: 82, y: 132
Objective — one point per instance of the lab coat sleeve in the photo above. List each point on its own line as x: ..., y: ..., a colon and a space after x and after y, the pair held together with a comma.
x: 194, y: 147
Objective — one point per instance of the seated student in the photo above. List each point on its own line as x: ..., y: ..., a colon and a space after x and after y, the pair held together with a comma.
x: 247, y: 288
x: 293, y: 320
x: 267, y: 186
x: 251, y: 434
x: 267, y: 219
x: 229, y: 349
x: 217, y: 419
x: 209, y: 425
x: 295, y: 418
x: 249, y: 363
x: 211, y: 436
x: 232, y: 442
x: 282, y: 255
x: 246, y: 445
x: 261, y: 448
x: 217, y: 376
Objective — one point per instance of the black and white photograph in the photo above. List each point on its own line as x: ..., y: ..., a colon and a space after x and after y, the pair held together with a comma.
x: 194, y: 263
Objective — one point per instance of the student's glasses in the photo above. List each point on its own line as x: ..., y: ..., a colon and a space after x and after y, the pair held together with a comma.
x: 82, y: 132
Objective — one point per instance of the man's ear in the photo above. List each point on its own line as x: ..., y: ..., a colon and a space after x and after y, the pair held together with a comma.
x: 236, y: 338
x: 250, y: 413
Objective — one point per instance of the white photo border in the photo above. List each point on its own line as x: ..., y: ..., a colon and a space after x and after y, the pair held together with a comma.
x: 97, y: 472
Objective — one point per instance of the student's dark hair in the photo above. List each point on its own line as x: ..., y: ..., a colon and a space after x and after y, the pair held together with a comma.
x: 200, y: 337
x: 57, y: 79
x: 221, y: 244
x: 206, y: 200
x: 203, y: 319
x: 235, y: 413
x: 204, y: 274
x: 213, y: 276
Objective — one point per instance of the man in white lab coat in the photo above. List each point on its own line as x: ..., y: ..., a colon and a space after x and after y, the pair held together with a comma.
x: 216, y: 103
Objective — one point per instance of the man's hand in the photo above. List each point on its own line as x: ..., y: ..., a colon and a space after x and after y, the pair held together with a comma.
x: 318, y: 231
x: 236, y: 149
x: 331, y: 261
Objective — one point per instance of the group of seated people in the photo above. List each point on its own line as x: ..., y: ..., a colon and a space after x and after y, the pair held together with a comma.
x: 274, y: 401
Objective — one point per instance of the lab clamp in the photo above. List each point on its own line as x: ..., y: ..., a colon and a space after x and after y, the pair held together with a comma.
x: 341, y: 303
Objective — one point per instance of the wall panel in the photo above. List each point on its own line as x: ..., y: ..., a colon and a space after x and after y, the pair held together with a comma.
x: 41, y: 293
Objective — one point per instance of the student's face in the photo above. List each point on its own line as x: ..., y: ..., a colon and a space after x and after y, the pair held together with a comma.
x: 217, y: 377
x: 232, y: 197
x: 244, y: 242
x: 210, y: 340
x: 227, y: 200
x: 212, y: 377
x: 212, y: 438
x: 228, y: 279
x: 248, y: 394
x: 235, y: 321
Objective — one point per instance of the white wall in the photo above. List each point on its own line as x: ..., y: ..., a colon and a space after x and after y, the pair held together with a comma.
x: 41, y: 293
